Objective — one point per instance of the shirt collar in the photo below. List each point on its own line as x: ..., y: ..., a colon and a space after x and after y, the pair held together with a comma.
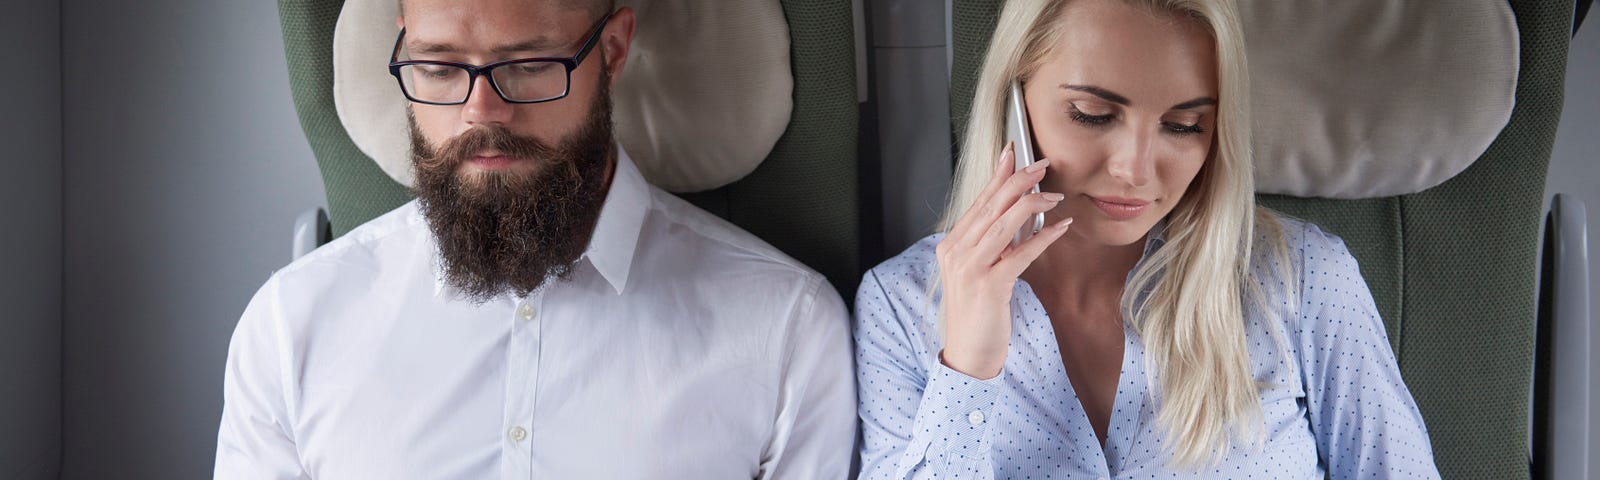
x: 1155, y: 239
x: 1152, y: 241
x: 616, y: 232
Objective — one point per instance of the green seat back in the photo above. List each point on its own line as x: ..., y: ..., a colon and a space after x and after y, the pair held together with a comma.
x: 1452, y: 268
x: 802, y: 199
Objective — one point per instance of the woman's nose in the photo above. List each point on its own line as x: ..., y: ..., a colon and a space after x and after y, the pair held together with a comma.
x: 1133, y: 160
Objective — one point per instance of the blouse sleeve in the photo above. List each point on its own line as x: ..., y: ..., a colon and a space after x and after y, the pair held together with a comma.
x: 919, y: 419
x: 1364, y: 419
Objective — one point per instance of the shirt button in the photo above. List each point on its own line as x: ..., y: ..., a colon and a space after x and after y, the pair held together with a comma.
x: 975, y: 418
x: 526, y: 312
x: 518, y: 434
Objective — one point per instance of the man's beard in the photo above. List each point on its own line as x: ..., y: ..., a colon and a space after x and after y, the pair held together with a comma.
x: 510, y: 231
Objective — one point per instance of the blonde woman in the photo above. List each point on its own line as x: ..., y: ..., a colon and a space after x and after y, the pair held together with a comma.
x: 1160, y: 324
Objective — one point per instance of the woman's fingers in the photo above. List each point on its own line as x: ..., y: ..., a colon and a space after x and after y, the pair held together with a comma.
x: 975, y: 292
x: 1002, y: 170
x: 1002, y: 199
x: 1017, y: 258
x: 1000, y: 233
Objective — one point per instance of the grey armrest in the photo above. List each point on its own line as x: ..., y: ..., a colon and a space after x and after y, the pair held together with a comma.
x: 311, y: 230
x: 1561, y: 367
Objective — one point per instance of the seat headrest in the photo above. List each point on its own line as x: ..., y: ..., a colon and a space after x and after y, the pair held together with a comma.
x: 705, y: 94
x: 1372, y: 98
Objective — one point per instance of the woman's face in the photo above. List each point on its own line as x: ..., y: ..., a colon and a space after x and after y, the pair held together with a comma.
x: 1125, y: 109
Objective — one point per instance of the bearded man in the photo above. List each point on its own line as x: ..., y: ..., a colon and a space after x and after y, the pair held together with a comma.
x: 539, y: 311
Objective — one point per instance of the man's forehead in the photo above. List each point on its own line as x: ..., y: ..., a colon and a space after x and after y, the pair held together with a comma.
x: 520, y: 9
x: 491, y: 25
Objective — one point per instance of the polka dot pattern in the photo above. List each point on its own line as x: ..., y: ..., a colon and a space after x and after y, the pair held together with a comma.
x: 1332, y: 398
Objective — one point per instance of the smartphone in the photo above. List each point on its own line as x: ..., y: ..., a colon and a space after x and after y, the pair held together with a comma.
x: 1021, y: 138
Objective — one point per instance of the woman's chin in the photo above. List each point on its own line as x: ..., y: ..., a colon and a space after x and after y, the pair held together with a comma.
x: 1111, y: 233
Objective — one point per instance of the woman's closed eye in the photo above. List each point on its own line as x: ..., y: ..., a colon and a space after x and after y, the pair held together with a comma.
x: 1088, y: 120
x: 1099, y: 120
x: 1183, y: 129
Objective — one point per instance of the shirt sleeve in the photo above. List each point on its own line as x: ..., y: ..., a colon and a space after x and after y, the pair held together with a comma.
x: 255, y: 441
x: 1364, y: 419
x: 917, y: 422
x: 816, y: 426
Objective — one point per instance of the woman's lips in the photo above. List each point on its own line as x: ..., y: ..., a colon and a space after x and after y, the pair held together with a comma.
x: 1120, y: 208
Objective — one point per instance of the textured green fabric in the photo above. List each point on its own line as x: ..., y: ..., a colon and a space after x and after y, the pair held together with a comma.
x: 1470, y: 266
x: 1451, y: 268
x: 972, y: 23
x: 802, y: 199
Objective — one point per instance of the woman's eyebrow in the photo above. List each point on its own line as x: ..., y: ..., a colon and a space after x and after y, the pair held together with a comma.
x: 1196, y: 103
x: 1100, y: 92
x: 1113, y: 97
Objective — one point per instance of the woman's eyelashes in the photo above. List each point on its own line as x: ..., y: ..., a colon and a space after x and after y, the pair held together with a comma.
x: 1176, y: 128
x: 1104, y: 120
x: 1090, y: 120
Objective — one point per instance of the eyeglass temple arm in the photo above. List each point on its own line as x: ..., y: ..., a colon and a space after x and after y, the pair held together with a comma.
x: 594, y: 39
x: 394, y: 55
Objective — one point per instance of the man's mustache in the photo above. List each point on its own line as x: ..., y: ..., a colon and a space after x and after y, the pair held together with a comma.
x: 482, y: 138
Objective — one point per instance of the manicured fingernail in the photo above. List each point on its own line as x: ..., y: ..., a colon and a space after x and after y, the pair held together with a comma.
x: 1038, y: 166
x: 1063, y: 224
x: 1054, y: 197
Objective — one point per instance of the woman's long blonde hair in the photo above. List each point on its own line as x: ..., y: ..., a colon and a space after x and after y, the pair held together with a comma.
x: 1193, y: 315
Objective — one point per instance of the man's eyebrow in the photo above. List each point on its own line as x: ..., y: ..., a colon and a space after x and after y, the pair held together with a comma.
x: 415, y: 46
x: 538, y: 44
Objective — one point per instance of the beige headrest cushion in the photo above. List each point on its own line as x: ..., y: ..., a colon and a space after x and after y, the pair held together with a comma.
x: 706, y: 92
x: 1372, y: 98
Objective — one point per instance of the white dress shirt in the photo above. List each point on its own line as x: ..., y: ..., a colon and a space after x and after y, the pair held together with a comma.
x: 681, y: 347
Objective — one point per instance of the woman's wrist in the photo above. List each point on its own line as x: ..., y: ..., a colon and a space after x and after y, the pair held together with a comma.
x: 978, y: 365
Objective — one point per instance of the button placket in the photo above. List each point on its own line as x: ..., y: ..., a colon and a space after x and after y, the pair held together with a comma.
x: 522, y: 381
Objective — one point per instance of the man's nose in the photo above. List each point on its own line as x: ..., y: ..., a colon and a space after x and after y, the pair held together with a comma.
x: 484, y: 106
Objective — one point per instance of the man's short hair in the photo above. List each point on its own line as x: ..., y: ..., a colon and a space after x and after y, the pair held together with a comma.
x: 597, y: 8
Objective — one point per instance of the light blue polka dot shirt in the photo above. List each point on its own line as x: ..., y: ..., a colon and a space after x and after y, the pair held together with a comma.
x: 1334, y: 403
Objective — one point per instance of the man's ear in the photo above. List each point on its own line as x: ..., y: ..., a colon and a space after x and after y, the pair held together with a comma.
x: 615, y: 41
x: 400, y: 21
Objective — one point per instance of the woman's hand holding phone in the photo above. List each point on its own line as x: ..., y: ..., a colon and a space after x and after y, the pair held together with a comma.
x: 978, y: 265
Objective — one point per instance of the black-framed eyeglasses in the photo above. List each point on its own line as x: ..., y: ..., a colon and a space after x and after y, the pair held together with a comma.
x: 523, y: 80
